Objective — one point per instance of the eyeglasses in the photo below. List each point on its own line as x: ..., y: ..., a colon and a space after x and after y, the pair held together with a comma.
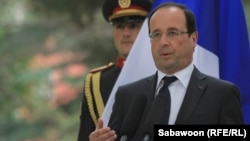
x: 171, y: 35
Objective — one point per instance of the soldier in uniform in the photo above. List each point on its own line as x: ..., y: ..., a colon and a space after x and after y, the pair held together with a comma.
x: 126, y: 18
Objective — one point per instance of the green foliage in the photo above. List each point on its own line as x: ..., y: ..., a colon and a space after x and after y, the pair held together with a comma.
x: 52, y: 36
x: 79, y: 11
x: 2, y: 32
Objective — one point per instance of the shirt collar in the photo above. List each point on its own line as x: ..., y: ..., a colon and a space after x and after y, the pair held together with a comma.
x: 183, y: 75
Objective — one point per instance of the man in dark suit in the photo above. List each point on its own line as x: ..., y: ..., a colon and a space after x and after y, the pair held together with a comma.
x: 126, y: 18
x: 195, y: 98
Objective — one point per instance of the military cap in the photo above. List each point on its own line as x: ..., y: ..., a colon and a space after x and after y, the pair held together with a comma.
x: 124, y: 10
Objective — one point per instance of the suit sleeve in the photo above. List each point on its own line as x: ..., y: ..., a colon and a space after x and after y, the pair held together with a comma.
x: 231, y: 107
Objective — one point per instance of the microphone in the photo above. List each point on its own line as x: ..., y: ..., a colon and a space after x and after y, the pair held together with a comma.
x: 133, y: 117
x: 154, y: 116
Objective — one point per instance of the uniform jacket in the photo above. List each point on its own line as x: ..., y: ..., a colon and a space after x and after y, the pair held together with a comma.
x: 106, y: 81
x: 207, y: 100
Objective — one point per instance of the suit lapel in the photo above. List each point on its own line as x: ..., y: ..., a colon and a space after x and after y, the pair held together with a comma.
x: 149, y: 90
x: 193, y: 94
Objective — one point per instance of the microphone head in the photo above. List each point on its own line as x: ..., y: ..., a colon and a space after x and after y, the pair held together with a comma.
x: 124, y: 138
x: 134, y: 115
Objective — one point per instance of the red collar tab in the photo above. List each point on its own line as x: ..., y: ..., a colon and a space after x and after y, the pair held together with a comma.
x: 120, y: 62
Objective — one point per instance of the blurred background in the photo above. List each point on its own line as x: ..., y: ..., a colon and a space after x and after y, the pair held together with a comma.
x: 46, y: 48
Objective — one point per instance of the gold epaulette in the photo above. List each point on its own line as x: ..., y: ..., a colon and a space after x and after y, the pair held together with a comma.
x: 102, y: 67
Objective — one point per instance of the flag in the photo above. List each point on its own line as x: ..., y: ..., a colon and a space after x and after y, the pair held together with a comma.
x: 137, y: 66
x: 222, y: 49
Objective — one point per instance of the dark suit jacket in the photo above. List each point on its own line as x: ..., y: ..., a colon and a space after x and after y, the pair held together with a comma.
x: 208, y: 100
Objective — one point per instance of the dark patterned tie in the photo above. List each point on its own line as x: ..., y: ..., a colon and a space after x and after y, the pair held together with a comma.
x: 164, y: 95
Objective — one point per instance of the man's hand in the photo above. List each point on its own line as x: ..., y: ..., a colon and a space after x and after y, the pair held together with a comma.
x: 101, y: 133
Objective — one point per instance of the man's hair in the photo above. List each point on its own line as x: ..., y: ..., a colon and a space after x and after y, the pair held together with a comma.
x: 190, y: 18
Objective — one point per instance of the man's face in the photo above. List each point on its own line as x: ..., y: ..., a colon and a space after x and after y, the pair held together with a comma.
x: 172, y: 47
x: 125, y: 34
